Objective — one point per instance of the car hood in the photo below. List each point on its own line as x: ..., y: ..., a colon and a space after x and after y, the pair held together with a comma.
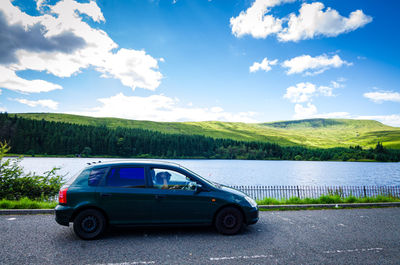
x: 232, y: 190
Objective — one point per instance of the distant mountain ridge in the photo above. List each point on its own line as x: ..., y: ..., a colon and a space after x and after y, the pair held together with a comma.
x: 319, y: 122
x: 314, y: 133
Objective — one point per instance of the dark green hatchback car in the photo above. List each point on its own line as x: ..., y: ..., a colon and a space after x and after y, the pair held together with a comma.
x: 143, y: 193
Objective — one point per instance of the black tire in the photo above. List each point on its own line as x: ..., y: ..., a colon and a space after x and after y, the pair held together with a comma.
x: 229, y: 221
x: 89, y: 224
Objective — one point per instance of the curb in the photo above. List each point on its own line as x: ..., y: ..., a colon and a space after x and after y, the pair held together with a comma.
x: 26, y: 211
x: 334, y: 205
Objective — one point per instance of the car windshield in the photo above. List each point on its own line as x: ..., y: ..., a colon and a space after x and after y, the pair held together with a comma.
x: 213, y: 184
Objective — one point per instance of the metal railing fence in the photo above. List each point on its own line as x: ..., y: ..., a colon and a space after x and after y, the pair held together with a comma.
x: 286, y: 192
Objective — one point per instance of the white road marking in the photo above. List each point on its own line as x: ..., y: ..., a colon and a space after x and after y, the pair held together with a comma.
x: 353, y: 250
x: 128, y: 263
x: 11, y: 219
x: 242, y: 257
x: 341, y: 225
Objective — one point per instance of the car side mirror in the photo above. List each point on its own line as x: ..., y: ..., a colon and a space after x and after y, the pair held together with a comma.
x: 198, y: 188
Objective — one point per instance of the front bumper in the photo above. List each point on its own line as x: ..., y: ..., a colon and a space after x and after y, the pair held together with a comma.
x: 63, y: 214
x: 252, y: 216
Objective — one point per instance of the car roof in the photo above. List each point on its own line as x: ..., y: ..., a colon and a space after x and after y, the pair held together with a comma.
x: 126, y: 162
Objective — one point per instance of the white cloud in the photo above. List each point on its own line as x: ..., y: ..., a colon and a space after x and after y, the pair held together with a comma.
x: 134, y: 68
x: 47, y: 103
x: 264, y: 65
x: 9, y: 80
x: 334, y: 115
x: 313, y: 65
x: 312, y: 21
x: 2, y: 109
x: 161, y: 108
x: 255, y: 22
x: 140, y: 72
x: 337, y: 84
x: 302, y: 92
x: 379, y: 97
x: 304, y: 112
x: 326, y: 91
x: 39, y: 4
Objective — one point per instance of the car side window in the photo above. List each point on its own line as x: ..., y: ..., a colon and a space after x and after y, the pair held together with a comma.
x: 126, y: 177
x: 170, y: 179
x: 95, y: 176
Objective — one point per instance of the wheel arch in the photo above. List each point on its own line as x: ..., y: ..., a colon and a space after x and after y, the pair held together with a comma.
x: 228, y: 205
x: 87, y: 207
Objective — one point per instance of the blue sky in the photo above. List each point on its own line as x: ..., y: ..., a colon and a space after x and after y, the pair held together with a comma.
x: 249, y: 61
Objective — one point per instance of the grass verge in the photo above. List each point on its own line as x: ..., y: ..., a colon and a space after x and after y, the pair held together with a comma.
x: 26, y: 203
x: 327, y: 199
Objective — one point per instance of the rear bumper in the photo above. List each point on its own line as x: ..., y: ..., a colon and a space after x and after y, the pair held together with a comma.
x: 252, y: 216
x: 63, y: 214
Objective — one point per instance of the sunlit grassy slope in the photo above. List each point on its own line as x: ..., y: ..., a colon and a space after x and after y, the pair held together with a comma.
x: 322, y: 133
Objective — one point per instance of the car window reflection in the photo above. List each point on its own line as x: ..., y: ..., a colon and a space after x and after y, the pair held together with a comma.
x: 171, y: 180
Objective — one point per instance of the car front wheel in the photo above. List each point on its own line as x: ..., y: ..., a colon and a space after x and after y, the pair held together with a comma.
x: 229, y: 221
x: 89, y: 224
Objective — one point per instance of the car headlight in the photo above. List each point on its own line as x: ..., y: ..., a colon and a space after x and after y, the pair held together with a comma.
x: 251, y: 201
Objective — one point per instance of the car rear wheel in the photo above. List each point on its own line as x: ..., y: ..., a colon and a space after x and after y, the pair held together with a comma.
x: 229, y: 221
x: 89, y: 224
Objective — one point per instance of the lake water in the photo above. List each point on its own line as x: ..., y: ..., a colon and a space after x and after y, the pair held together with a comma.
x: 253, y: 172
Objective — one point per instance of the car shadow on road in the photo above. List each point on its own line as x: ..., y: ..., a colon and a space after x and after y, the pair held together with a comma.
x: 169, y: 231
x: 135, y: 233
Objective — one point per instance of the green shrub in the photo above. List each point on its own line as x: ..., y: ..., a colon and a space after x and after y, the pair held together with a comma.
x: 330, y: 199
x: 5, y: 204
x: 15, y: 184
x: 268, y: 201
x: 294, y: 200
x: 351, y: 199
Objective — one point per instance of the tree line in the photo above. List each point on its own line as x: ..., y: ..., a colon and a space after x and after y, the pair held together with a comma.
x: 40, y: 137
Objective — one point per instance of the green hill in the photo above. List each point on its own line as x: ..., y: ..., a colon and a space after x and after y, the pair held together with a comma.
x: 320, y: 133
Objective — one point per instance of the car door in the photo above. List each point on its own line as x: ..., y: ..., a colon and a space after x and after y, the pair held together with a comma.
x: 176, y: 198
x: 125, y: 197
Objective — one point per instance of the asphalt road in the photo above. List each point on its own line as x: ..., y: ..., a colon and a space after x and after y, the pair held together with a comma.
x: 352, y: 236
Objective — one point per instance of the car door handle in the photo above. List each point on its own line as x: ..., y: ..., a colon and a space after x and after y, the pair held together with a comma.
x: 160, y: 197
x: 105, y: 195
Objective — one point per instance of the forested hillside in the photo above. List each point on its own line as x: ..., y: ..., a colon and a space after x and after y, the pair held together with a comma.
x: 316, y: 133
x: 40, y: 137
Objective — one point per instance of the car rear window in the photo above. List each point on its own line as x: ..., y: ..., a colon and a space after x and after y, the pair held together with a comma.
x: 128, y: 177
x: 96, y: 175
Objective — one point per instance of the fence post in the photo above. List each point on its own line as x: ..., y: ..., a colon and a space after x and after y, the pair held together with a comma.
x: 365, y: 192
x: 298, y: 192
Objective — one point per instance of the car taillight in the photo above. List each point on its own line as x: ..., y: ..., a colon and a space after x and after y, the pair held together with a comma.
x: 62, y: 196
